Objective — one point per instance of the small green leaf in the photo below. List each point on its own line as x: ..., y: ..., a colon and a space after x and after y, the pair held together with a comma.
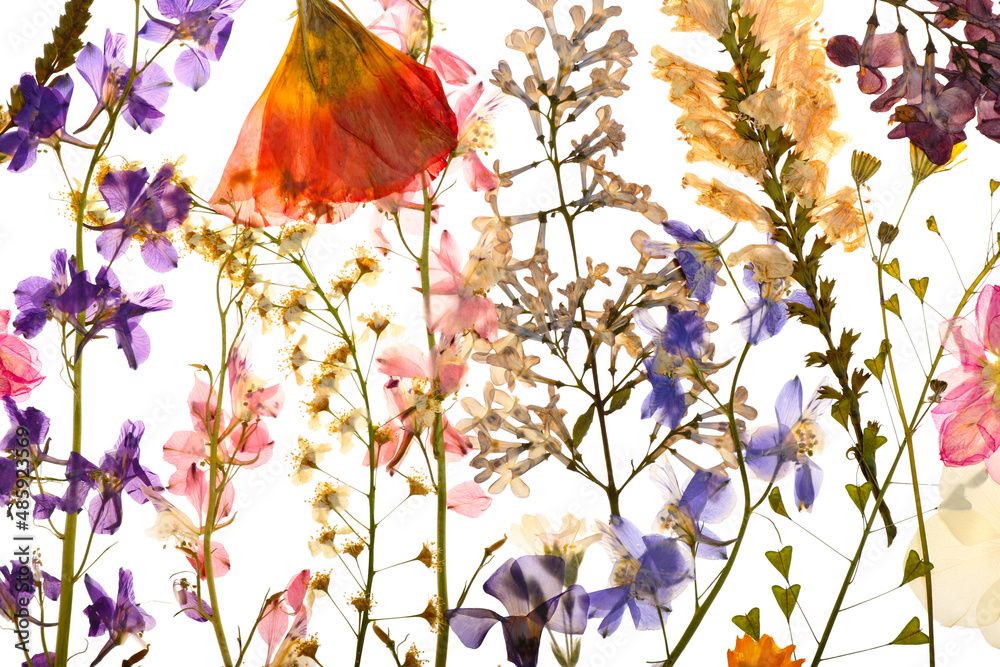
x: 786, y: 598
x: 582, y: 425
x: 781, y: 560
x: 841, y: 411
x: 774, y: 500
x: 993, y: 186
x: 892, y: 268
x: 911, y: 634
x: 932, y: 225
x: 749, y: 623
x: 914, y: 568
x: 919, y: 287
x: 876, y: 366
x: 619, y: 400
x: 892, y: 305
x: 859, y: 495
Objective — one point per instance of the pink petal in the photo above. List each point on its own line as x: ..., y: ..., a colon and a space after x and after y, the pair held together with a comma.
x: 220, y: 560
x: 403, y: 360
x: 296, y: 590
x: 266, y: 402
x: 184, y: 448
x: 961, y: 339
x: 378, y: 239
x: 4, y: 320
x: 987, y: 312
x: 272, y: 627
x: 450, y: 67
x: 200, y: 396
x: 477, y: 176
x: 468, y: 499
x: 993, y: 466
x: 250, y: 444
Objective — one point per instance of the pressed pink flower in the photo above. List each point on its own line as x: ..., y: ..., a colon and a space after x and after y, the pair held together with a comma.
x: 172, y: 522
x: 968, y: 416
x: 281, y: 636
x: 469, y: 499
x: 20, y: 368
x: 458, y: 294
x: 475, y: 134
x: 403, y: 26
x: 413, y: 394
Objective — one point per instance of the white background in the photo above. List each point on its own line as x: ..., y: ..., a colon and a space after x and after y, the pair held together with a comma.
x: 268, y: 541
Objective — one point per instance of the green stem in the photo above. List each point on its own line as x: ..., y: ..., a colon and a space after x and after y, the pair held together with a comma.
x: 748, y: 510
x: 852, y: 569
x: 441, y: 650
x: 907, y: 433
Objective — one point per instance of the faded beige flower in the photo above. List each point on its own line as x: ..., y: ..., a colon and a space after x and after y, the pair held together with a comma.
x: 779, y: 21
x: 329, y: 498
x: 807, y: 179
x: 963, y: 539
x: 535, y: 535
x: 768, y: 106
x: 730, y: 202
x: 711, y: 16
x: 769, y: 261
x: 841, y: 220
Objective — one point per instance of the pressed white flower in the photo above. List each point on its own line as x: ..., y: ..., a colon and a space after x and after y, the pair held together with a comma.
x: 329, y: 498
x: 535, y: 535
x: 963, y: 539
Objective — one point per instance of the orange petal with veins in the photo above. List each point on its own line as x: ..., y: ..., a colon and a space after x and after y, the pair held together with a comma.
x: 345, y: 119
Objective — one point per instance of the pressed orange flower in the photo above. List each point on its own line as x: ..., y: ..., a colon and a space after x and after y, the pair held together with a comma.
x: 763, y: 653
x: 345, y: 119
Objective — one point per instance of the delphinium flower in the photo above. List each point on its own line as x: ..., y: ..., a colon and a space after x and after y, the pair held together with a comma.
x: 108, y: 76
x: 20, y: 367
x: 698, y: 258
x: 193, y: 607
x: 417, y: 385
x: 967, y: 417
x: 708, y: 497
x: 21, y: 580
x: 103, y: 302
x: 203, y: 26
x: 119, y: 618
x: 531, y: 590
x: 535, y: 535
x: 768, y: 277
x: 681, y: 347
x: 148, y: 213
x: 283, y: 638
x: 119, y: 471
x: 963, y: 539
x: 649, y: 572
x: 458, y: 294
x: 383, y: 113
x: 777, y: 449
x: 761, y: 653
x: 40, y: 122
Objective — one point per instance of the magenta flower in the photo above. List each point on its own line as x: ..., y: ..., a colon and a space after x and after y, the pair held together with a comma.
x: 107, y: 74
x: 968, y: 416
x: 148, y: 213
x: 20, y: 367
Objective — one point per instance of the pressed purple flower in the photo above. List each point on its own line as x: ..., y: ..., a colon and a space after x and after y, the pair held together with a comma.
x: 118, y: 618
x: 777, y: 449
x: 192, y: 606
x: 937, y: 123
x: 63, y: 297
x: 120, y: 471
x: 41, y: 660
x: 20, y: 581
x: 202, y: 25
x: 683, y: 340
x: 531, y: 590
x: 8, y: 480
x: 108, y: 75
x: 649, y: 572
x: 697, y: 256
x: 766, y: 310
x: 32, y: 420
x: 148, y: 212
x: 42, y: 120
x: 708, y: 497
